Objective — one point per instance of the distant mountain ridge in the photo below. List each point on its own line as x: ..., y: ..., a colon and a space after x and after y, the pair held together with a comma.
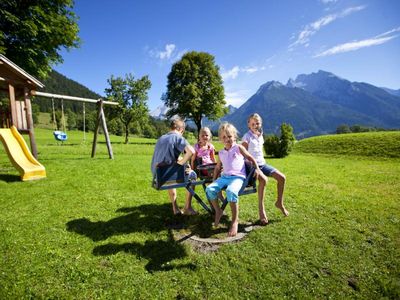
x: 391, y: 91
x: 318, y: 103
x: 313, y: 104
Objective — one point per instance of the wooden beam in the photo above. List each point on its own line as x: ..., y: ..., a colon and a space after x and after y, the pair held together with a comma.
x: 72, y: 98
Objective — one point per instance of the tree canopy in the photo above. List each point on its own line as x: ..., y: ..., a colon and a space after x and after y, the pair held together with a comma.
x: 131, y: 94
x: 195, y: 89
x: 33, y: 32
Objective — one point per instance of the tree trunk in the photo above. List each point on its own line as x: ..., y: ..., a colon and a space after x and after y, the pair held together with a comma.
x: 198, y: 124
x: 126, y: 133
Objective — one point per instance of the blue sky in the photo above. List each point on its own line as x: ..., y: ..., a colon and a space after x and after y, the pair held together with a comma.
x: 253, y: 41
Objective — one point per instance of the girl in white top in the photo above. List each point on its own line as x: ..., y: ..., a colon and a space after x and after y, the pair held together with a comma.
x: 253, y: 141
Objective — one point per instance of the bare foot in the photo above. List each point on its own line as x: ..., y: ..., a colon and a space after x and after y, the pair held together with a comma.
x: 282, y: 208
x: 190, y: 212
x: 218, y: 215
x: 234, y: 229
x: 263, y: 219
x: 176, y: 210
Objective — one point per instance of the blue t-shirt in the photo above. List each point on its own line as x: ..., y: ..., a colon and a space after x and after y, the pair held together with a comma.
x: 168, y: 148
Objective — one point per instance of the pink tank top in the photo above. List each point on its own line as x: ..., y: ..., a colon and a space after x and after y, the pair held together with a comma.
x: 232, y: 162
x: 205, y: 154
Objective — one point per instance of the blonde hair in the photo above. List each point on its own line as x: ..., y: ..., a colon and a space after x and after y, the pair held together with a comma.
x: 255, y: 116
x: 227, y: 128
x: 205, y: 130
x: 177, y: 124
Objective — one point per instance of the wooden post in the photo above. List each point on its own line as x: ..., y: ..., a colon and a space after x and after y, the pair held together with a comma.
x: 13, y: 105
x: 96, y: 130
x: 101, y: 120
x: 105, y: 130
x: 29, y: 122
x: 84, y: 122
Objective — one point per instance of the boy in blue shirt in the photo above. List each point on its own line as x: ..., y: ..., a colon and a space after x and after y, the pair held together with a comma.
x: 167, y: 150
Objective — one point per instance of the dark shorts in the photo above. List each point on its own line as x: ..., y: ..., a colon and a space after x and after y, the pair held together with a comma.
x: 267, y: 169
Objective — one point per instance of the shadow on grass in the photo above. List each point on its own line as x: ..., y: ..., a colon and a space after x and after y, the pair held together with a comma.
x: 159, y: 253
x: 144, y: 218
x: 9, y: 178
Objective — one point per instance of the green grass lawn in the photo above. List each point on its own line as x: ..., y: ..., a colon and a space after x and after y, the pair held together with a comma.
x: 94, y: 228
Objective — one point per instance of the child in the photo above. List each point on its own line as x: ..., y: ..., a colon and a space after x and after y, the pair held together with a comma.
x: 232, y: 159
x: 167, y: 150
x: 253, y: 141
x: 204, y: 150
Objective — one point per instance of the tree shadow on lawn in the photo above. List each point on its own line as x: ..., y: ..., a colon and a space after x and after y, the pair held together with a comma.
x: 144, y: 218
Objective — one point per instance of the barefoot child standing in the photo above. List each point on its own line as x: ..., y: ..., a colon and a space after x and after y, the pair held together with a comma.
x: 253, y: 141
x: 232, y: 160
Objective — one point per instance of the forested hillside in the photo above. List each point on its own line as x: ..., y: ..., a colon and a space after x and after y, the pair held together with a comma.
x: 57, y: 83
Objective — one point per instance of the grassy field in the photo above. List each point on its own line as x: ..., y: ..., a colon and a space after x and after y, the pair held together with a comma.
x: 94, y: 229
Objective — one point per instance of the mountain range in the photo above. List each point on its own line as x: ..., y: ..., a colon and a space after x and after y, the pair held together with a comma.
x: 317, y: 103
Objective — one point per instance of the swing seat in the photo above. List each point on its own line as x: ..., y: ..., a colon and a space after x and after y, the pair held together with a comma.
x: 60, y: 135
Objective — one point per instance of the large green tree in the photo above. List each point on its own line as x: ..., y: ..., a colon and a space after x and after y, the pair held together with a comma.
x: 33, y: 32
x: 131, y: 94
x: 195, y: 89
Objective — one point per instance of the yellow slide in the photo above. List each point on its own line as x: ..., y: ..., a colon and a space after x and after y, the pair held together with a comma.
x: 20, y: 155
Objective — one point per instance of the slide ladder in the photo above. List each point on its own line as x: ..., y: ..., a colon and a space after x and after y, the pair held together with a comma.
x: 20, y: 155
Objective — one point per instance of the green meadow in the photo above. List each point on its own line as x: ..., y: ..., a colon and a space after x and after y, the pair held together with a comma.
x: 95, y: 229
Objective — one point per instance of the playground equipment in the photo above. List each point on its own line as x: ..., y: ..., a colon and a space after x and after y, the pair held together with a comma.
x: 18, y: 84
x: 59, y: 135
x: 173, y: 176
x: 101, y: 120
x: 20, y: 156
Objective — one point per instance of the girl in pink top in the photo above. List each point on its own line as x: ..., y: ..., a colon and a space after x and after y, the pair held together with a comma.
x: 204, y: 150
x: 232, y: 160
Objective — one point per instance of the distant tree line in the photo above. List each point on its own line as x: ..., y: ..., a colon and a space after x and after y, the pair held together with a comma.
x: 344, y: 128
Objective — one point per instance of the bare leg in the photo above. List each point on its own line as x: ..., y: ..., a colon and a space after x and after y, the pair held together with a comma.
x: 172, y: 198
x: 281, y: 180
x: 188, y: 209
x: 218, y: 212
x: 262, y: 181
x: 235, y: 219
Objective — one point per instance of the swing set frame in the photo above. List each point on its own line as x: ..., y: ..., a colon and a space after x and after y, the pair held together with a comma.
x: 100, y: 120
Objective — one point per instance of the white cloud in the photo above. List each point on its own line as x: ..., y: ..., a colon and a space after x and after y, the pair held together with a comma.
x: 234, y: 72
x: 312, y: 28
x: 250, y: 70
x: 231, y: 74
x: 353, y: 46
x: 169, y: 54
x: 236, y: 98
x: 169, y: 49
x: 388, y: 32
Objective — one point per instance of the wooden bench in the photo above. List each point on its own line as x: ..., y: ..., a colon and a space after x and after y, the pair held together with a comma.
x: 173, y: 176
